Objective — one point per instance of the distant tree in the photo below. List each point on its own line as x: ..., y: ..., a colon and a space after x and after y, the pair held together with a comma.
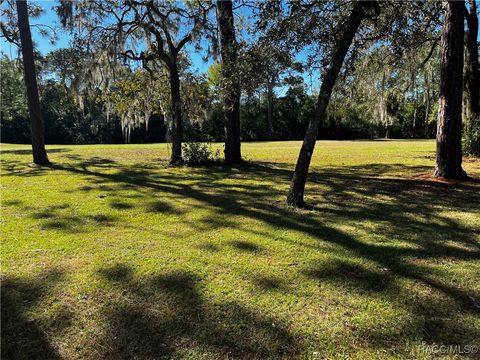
x: 214, y: 79
x: 36, y: 122
x: 150, y: 32
x: 449, y: 123
x: 69, y: 67
x: 267, y: 65
x: 14, y: 112
x: 473, y: 65
x: 228, y: 49
x: 292, y: 113
x: 198, y: 106
x: 134, y: 97
x: 346, y: 33
x: 387, y: 86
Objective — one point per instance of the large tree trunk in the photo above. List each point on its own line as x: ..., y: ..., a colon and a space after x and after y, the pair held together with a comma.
x: 36, y: 123
x: 473, y: 66
x: 177, y: 126
x: 449, y: 122
x: 346, y: 35
x: 269, y: 109
x: 228, y: 46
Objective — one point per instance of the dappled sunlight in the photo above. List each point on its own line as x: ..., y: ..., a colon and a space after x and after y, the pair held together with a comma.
x: 211, y: 260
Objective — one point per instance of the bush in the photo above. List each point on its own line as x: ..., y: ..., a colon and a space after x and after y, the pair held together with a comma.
x: 471, y: 140
x: 197, y: 153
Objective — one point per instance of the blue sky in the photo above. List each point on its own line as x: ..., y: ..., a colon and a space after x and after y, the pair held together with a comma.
x: 50, y: 18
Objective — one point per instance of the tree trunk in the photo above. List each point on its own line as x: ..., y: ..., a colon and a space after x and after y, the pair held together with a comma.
x: 36, y: 123
x: 427, y: 104
x: 228, y: 46
x: 414, y: 91
x: 449, y: 122
x: 177, y: 127
x: 387, y: 132
x: 383, y: 106
x: 269, y: 109
x: 414, y: 135
x: 346, y: 35
x: 415, y: 97
x: 466, y: 110
x: 473, y: 66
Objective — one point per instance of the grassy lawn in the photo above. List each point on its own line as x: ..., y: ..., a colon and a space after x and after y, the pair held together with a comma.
x: 111, y: 254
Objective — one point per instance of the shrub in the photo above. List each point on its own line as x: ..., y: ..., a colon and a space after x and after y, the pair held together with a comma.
x: 197, y: 153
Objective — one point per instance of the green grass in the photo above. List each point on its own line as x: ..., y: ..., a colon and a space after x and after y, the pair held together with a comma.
x: 110, y: 254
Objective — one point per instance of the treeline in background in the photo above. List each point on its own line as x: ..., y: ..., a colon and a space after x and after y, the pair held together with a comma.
x: 362, y: 106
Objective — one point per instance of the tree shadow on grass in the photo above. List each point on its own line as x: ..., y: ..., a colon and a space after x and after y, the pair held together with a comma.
x: 398, y: 205
x: 163, y: 207
x: 11, y: 202
x: 162, y: 315
x: 23, y: 337
x: 436, y: 314
x: 245, y: 246
x: 269, y: 283
x: 29, y: 151
x: 18, y: 168
x: 351, y: 276
x: 59, y: 217
x: 403, y: 209
x: 408, y: 213
x: 120, y: 205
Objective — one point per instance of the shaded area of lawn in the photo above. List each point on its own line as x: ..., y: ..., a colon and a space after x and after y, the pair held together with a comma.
x: 23, y: 338
x: 187, y: 318
x: 406, y: 210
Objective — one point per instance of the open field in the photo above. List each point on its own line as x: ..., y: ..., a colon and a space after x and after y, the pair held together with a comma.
x: 111, y: 254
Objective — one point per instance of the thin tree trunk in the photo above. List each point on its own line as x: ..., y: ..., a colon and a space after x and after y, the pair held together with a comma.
x: 383, y: 107
x: 414, y: 135
x: 228, y: 46
x: 415, y: 95
x: 387, y: 132
x: 177, y: 127
x: 473, y: 65
x: 346, y: 35
x: 449, y: 122
x: 427, y: 103
x: 269, y: 109
x: 466, y: 113
x: 36, y: 123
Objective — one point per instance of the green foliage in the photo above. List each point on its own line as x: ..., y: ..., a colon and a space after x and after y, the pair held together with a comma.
x: 63, y: 121
x: 471, y: 139
x: 215, y: 79
x: 253, y: 114
x: 293, y: 113
x: 12, y: 90
x: 67, y: 66
x: 196, y: 97
x: 197, y: 153
x: 76, y: 112
x: 14, y: 114
x: 213, y: 127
